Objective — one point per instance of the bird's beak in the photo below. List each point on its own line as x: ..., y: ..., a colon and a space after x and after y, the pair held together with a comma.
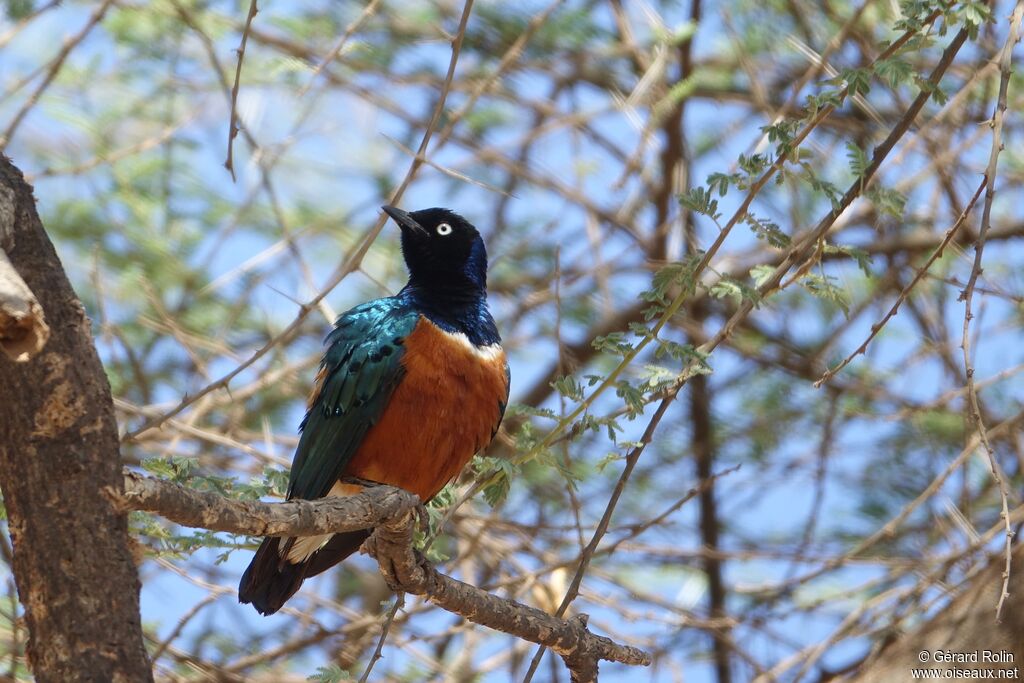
x: 404, y: 220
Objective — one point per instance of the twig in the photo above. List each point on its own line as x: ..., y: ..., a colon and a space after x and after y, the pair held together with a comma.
x: 798, y: 251
x: 439, y: 108
x: 391, y: 546
x: 350, y: 264
x: 444, y: 169
x: 602, y: 527
x: 1005, y: 61
x: 921, y: 272
x: 229, y: 163
x: 384, y: 630
x: 176, y: 631
x: 367, y: 12
x: 51, y: 73
x: 889, y: 528
x: 807, y: 245
x: 637, y: 529
x: 143, y: 146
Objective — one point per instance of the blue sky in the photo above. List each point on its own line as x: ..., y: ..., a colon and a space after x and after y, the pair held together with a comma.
x: 342, y: 142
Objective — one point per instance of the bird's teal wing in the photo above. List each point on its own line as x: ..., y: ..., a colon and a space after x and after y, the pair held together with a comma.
x: 358, y: 374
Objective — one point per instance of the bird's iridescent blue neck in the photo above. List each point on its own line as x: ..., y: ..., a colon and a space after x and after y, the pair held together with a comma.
x: 457, y: 310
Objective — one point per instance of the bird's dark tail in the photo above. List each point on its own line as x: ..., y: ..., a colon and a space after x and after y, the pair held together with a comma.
x: 271, y: 579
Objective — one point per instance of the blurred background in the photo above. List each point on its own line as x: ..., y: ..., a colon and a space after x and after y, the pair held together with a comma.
x: 686, y: 232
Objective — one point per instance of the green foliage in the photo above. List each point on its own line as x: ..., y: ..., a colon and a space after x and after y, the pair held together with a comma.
x: 859, y: 161
x: 782, y: 133
x: 556, y: 463
x: 687, y: 354
x: 858, y: 81
x: 818, y: 101
x: 676, y: 94
x: 436, y: 509
x: 935, y: 91
x: 614, y: 343
x: 569, y: 29
x: 894, y: 71
x: 632, y: 397
x: 165, y: 542
x: 18, y: 9
x: 721, y: 181
x: 753, y: 165
x: 499, y: 474
x: 274, y: 483
x: 569, y: 387
x: 886, y: 200
x: 862, y: 258
x: 607, y: 460
x: 822, y: 186
x: 699, y: 200
x: 667, y: 279
x: 825, y: 287
x: 485, y: 119
x: 761, y: 274
x: 332, y: 673
x: 768, y: 231
x: 178, y: 469
x: 183, y: 470
x: 973, y: 14
x: 738, y: 291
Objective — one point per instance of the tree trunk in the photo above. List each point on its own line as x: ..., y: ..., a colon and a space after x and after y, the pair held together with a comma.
x: 58, y: 463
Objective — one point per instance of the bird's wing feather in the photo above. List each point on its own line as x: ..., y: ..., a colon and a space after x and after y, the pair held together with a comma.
x: 358, y: 374
x: 502, y: 405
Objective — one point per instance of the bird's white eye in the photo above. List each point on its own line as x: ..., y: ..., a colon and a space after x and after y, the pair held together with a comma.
x: 444, y: 229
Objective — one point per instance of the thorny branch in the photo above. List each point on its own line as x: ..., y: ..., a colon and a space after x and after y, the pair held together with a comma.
x: 1005, y: 60
x: 229, y: 162
x: 905, y: 292
x: 602, y: 527
x: 394, y: 513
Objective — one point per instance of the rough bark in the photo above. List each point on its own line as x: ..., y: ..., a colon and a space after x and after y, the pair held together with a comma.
x: 58, y: 461
x: 392, y: 512
x: 966, y: 626
x: 208, y: 510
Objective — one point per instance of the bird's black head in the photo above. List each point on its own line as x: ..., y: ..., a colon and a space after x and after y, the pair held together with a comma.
x: 441, y: 249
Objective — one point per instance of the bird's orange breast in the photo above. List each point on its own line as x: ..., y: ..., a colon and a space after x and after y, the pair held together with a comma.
x: 445, y: 409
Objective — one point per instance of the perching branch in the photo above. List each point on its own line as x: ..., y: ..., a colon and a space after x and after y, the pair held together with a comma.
x: 208, y: 510
x: 393, y: 512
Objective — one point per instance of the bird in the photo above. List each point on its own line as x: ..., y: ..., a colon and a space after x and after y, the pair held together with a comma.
x: 410, y: 387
